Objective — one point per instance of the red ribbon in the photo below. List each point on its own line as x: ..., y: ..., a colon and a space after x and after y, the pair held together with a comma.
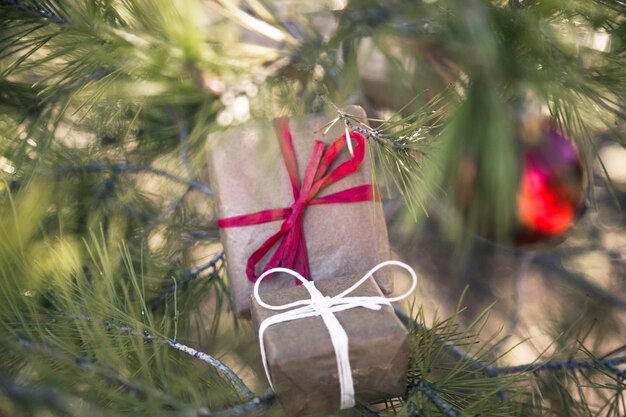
x: 291, y: 251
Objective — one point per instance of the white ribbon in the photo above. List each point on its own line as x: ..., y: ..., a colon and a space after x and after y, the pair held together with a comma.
x: 326, y: 306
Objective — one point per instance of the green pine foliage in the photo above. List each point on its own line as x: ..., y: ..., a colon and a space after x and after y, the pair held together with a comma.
x: 107, y: 108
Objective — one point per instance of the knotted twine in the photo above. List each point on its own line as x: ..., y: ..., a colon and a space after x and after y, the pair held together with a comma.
x: 326, y: 307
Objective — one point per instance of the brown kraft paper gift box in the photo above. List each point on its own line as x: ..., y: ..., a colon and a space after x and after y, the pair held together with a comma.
x: 248, y: 174
x: 301, y: 356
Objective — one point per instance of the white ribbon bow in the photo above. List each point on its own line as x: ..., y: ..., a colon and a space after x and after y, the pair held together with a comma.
x: 326, y: 306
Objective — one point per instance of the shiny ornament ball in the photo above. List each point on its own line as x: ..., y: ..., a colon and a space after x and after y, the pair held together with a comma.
x: 551, y: 191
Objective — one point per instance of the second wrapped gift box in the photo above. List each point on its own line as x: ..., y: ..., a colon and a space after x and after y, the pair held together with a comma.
x: 301, y: 356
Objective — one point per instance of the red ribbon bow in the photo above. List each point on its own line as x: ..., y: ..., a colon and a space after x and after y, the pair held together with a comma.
x: 291, y: 252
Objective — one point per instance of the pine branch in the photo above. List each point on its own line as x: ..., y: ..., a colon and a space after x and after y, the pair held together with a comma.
x: 137, y: 169
x: 222, y: 368
x: 450, y: 347
x: 187, y: 278
x: 400, y: 148
x: 370, y: 133
x: 621, y: 375
x: 253, y: 407
x: 254, y: 403
x: 49, y: 398
x: 74, y: 406
x: 214, y: 362
x: 493, y: 371
x: 219, y: 365
x: 183, y: 134
x: 571, y: 365
x: 110, y: 375
x: 405, y: 135
x: 39, y: 12
x: 430, y: 391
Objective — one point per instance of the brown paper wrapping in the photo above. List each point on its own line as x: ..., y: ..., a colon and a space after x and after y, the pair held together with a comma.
x: 247, y: 174
x: 302, y: 359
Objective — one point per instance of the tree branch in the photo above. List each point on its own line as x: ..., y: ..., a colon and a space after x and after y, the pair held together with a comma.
x: 219, y: 365
x: 255, y: 406
x: 453, y: 350
x: 368, y: 132
x: 32, y: 11
x: 572, y: 365
x: 109, y: 374
x: 137, y: 169
x: 252, y: 407
x: 492, y: 371
x: 54, y: 400
x: 186, y: 280
x: 431, y: 393
x: 50, y: 398
x: 204, y: 357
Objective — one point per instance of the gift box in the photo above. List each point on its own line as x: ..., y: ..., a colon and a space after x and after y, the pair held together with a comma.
x: 249, y: 174
x: 302, y: 360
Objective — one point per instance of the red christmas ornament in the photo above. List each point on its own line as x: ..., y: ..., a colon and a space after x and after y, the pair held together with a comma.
x: 551, y: 191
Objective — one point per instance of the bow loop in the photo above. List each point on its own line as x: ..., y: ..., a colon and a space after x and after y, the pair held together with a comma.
x: 289, y: 157
x: 347, y: 167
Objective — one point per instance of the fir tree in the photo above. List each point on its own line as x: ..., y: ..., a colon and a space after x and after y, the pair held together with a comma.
x: 112, y: 281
